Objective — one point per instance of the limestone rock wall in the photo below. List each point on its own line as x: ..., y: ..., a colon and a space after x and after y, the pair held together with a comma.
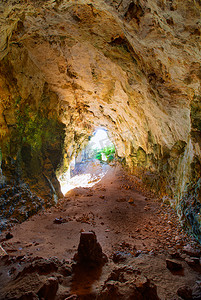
x: 132, y: 67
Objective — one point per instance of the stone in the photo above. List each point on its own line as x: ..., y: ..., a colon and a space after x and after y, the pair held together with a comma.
x: 42, y: 266
x: 25, y: 202
x: 137, y: 83
x: 189, y: 261
x: 57, y: 221
x: 29, y: 296
x: 173, y: 265
x: 89, y: 250
x: 138, y: 253
x: 9, y: 236
x: 192, y: 261
x: 188, y: 249
x: 130, y: 201
x: 185, y: 292
x: 60, y: 220
x: 127, y: 283
x: 65, y: 270
x: 49, y: 289
x: 72, y: 297
x: 175, y: 254
x: 120, y: 256
x: 196, y: 291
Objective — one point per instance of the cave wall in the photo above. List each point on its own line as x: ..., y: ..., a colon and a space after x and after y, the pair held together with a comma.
x: 32, y: 137
x: 132, y: 67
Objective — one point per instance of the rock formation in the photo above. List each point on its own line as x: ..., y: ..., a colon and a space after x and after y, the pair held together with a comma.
x: 130, y: 66
x: 128, y: 283
x: 90, y: 251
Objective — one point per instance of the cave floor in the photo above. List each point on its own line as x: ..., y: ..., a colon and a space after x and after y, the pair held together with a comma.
x: 125, y: 218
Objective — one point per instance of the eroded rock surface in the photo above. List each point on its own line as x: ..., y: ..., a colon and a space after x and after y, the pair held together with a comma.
x: 132, y: 67
x: 89, y: 250
x: 128, y: 283
x: 137, y: 239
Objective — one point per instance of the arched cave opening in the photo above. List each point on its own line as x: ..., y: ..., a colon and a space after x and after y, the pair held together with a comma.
x: 129, y: 67
x: 89, y: 165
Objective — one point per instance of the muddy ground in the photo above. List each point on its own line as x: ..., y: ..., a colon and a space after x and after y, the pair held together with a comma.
x: 136, y: 230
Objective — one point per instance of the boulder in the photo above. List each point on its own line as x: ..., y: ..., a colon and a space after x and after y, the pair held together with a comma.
x: 188, y: 249
x: 49, y: 289
x: 185, y: 292
x: 89, y: 250
x: 173, y: 265
x: 196, y: 291
x: 127, y: 283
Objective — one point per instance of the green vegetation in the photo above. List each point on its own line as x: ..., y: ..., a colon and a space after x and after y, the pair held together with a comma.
x: 35, y: 129
x: 107, y: 153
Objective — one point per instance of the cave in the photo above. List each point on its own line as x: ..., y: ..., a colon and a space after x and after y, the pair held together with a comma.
x: 128, y: 72
x: 90, y: 165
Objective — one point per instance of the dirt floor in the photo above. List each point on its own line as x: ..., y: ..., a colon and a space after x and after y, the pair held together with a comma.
x: 134, y: 229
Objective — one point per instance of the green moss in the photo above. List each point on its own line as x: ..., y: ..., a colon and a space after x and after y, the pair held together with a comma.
x: 35, y: 129
x: 34, y: 138
x: 17, y: 101
x: 141, y: 155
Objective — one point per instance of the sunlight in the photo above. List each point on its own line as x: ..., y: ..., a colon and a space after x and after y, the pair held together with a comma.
x: 83, y: 180
x: 88, y: 167
x: 100, y: 139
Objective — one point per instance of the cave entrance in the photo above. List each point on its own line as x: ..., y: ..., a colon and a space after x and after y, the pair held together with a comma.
x: 91, y: 164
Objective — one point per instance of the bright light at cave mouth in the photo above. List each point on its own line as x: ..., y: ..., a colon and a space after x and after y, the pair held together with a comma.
x: 100, y: 139
x: 83, y: 180
x: 85, y: 170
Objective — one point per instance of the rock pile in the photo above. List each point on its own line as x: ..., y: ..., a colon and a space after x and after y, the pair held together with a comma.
x: 17, y: 203
x: 128, y: 283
